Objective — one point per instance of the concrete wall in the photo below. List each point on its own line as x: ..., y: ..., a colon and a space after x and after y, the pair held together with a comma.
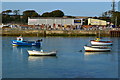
x: 53, y: 32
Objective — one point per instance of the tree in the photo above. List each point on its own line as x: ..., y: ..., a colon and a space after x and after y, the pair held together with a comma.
x: 46, y: 14
x: 6, y: 12
x: 3, y: 12
x: 115, y: 18
x: 6, y: 17
x: 57, y: 13
x: 107, y: 14
x: 29, y: 13
x: 16, y: 12
x: 108, y: 19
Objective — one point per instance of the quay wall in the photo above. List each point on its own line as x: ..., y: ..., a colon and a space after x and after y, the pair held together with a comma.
x: 55, y: 33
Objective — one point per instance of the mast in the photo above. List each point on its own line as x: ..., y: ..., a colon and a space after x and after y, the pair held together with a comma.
x: 113, y: 5
x: 116, y: 21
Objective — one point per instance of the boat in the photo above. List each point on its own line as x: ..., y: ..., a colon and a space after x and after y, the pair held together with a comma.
x: 97, y: 49
x: 41, y: 53
x: 100, y: 42
x: 21, y: 42
x: 101, y: 46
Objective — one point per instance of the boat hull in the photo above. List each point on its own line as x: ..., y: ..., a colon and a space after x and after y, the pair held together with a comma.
x: 39, y: 53
x: 101, y: 43
x: 96, y: 49
x: 25, y: 43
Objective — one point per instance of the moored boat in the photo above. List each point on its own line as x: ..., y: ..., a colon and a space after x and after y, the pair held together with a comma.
x: 97, y: 49
x: 21, y: 42
x: 101, y: 42
x: 41, y: 53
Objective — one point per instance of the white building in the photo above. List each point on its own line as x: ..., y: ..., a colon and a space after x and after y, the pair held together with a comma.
x: 57, y: 21
x: 96, y: 22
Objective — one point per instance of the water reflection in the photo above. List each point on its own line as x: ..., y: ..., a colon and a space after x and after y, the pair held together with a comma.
x: 31, y: 47
x: 95, y: 53
x: 23, y: 49
x: 39, y: 58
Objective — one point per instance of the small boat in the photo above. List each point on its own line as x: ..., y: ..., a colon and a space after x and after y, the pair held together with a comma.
x: 97, y: 49
x: 21, y: 42
x: 100, y: 42
x: 41, y: 53
x: 101, y: 46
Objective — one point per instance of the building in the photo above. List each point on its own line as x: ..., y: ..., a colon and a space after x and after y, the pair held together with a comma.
x: 96, y: 22
x: 56, y: 20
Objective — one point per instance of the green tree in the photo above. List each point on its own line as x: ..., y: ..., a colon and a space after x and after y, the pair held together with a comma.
x: 46, y: 14
x: 6, y: 16
x: 107, y: 13
x: 3, y: 12
x: 29, y: 13
x: 108, y: 19
x: 115, y: 18
x: 57, y: 13
x: 16, y: 12
x: 8, y: 11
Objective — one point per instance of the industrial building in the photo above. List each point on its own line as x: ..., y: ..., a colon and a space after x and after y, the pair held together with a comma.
x: 96, y: 22
x: 65, y: 21
x: 57, y: 21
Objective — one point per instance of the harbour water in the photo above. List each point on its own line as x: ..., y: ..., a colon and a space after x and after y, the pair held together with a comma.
x: 70, y: 62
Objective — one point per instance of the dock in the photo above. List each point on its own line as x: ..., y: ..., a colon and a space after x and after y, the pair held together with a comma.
x: 115, y: 33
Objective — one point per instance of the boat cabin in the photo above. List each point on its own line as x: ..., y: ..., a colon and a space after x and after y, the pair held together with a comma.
x: 19, y: 38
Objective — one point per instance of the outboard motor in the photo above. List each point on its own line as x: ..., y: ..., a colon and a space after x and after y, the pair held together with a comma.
x: 39, y: 40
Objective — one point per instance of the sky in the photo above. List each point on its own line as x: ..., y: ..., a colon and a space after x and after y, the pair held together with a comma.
x: 119, y: 6
x: 69, y: 8
x: 58, y: 0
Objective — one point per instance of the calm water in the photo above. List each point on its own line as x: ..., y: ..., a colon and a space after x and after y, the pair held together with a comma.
x: 69, y: 62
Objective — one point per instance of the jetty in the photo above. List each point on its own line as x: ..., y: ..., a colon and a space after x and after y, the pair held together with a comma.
x: 115, y: 33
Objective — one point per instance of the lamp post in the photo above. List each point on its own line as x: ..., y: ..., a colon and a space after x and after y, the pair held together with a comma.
x: 116, y: 21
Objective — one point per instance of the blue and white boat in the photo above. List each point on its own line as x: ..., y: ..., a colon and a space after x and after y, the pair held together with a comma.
x: 21, y: 42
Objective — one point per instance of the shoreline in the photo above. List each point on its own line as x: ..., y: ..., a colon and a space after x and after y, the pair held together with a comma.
x: 45, y: 33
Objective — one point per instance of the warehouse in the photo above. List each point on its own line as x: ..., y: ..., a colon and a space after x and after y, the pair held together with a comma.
x: 57, y: 21
x: 96, y: 22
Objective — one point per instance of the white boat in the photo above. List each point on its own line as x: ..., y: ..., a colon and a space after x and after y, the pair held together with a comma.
x: 96, y: 49
x: 100, y: 42
x: 101, y: 46
x: 41, y: 53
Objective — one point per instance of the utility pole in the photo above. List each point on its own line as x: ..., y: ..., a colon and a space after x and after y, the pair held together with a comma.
x: 113, y: 5
x: 113, y: 11
x: 116, y: 21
